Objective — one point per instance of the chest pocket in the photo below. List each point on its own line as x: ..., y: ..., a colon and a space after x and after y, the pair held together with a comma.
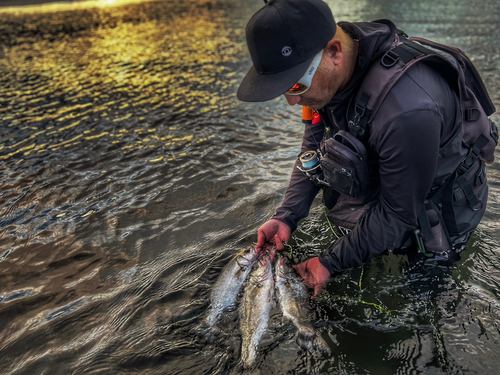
x: 345, y: 164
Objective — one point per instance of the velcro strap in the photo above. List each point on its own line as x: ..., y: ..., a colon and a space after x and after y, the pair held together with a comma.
x: 480, y: 177
x: 480, y: 143
x: 361, y: 103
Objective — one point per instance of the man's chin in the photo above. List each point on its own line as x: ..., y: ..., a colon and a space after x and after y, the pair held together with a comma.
x: 315, y: 106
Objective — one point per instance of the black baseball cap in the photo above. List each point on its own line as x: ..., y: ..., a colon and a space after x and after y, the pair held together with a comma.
x: 283, y: 37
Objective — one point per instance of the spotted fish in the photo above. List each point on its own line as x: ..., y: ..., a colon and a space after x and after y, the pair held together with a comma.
x: 294, y: 301
x: 254, y: 311
x: 229, y: 283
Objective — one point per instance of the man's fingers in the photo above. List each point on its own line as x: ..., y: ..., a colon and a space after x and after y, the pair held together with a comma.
x: 284, y: 234
x: 261, y: 238
x: 299, y: 268
x: 279, y: 244
x: 317, y: 289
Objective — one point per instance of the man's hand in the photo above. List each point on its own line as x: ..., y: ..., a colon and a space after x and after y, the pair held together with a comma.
x: 273, y: 231
x: 315, y: 275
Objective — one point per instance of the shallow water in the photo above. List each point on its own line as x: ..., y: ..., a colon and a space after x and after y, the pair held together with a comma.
x: 131, y: 175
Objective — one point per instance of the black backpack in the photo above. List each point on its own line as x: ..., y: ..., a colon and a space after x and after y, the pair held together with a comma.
x: 480, y: 135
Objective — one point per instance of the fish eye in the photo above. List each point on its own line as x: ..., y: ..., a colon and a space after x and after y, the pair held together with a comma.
x: 247, y: 251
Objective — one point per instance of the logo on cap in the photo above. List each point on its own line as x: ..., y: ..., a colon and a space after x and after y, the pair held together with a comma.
x: 286, y: 51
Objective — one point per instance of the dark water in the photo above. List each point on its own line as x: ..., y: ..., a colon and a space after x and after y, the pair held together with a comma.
x: 130, y: 175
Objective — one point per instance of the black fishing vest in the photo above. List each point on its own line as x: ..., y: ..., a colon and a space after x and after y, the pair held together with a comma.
x: 451, y: 211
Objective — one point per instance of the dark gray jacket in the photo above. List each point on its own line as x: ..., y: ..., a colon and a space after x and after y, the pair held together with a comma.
x: 414, y: 144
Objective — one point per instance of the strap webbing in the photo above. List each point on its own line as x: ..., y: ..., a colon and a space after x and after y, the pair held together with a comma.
x: 425, y: 225
x: 405, y: 52
x: 445, y: 193
x: 472, y: 198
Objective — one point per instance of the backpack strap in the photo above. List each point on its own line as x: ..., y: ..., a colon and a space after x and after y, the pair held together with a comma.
x: 459, y: 176
x: 442, y: 201
x: 380, y: 79
x: 405, y: 52
x: 357, y: 126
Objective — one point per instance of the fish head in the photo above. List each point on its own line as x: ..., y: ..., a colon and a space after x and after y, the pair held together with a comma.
x: 284, y: 265
x: 284, y: 268
x: 248, y: 256
x: 264, y: 268
x: 268, y: 250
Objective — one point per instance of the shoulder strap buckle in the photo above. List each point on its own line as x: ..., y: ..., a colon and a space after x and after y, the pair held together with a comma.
x: 389, y: 59
x: 472, y: 155
x: 357, y: 125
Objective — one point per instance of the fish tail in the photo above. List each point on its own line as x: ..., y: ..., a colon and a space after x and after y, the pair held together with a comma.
x: 248, y: 358
x: 309, y: 341
x: 306, y: 340
x: 208, y: 333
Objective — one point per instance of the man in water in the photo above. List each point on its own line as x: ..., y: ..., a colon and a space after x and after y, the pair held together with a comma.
x: 413, y: 142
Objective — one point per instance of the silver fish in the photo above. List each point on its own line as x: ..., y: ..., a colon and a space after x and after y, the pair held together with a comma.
x: 254, y: 312
x: 294, y: 301
x: 229, y: 283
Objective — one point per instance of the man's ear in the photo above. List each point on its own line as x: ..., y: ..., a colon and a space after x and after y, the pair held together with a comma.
x: 334, y: 51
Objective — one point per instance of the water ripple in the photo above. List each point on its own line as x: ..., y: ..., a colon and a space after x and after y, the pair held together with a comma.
x: 130, y: 175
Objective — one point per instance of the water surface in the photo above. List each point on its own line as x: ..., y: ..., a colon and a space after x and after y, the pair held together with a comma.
x: 131, y: 175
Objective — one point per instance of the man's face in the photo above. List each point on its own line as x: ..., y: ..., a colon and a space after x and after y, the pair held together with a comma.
x: 330, y: 77
x: 323, y: 87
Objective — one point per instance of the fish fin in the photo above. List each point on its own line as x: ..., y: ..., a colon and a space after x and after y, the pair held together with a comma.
x: 321, y: 345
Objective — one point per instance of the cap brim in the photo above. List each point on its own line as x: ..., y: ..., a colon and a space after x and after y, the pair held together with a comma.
x: 257, y: 87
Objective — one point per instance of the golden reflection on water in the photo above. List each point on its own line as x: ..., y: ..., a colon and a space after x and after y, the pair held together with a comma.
x: 103, y: 84
x: 63, y: 6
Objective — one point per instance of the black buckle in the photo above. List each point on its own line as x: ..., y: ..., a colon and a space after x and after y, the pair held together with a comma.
x: 352, y: 125
x: 468, y: 161
x: 390, y: 59
x: 478, y: 206
x: 359, y: 110
x: 402, y: 33
x: 420, y: 244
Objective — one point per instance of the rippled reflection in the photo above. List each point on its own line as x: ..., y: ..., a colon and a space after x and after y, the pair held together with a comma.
x: 130, y: 175
x: 51, y: 7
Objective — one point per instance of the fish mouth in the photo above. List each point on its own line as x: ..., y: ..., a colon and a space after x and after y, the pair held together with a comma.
x: 249, y: 255
x: 268, y: 250
x: 285, y: 268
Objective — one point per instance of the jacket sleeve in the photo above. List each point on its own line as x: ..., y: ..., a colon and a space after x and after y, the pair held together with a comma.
x: 301, y: 191
x: 408, y: 152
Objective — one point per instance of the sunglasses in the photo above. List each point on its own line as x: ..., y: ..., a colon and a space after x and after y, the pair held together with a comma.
x: 305, y: 82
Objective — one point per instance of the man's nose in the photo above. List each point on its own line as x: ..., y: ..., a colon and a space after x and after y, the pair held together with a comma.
x: 292, y: 99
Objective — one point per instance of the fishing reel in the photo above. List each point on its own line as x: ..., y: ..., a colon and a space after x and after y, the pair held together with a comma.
x: 311, y: 167
x: 310, y: 160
